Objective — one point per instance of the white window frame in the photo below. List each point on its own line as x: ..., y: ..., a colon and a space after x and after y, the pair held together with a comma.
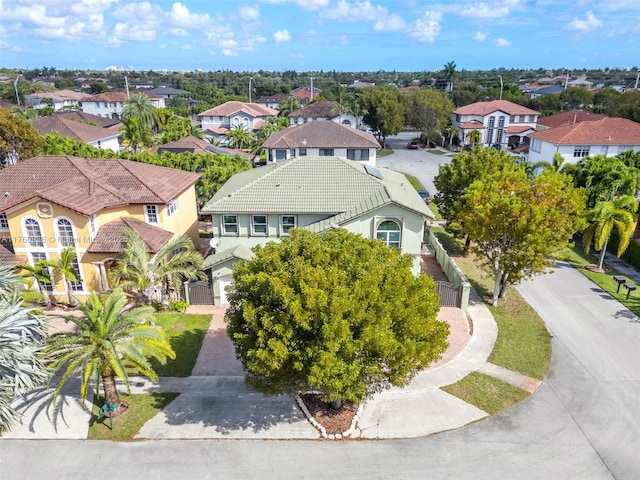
x: 4, y: 222
x: 324, y: 152
x: 536, y: 145
x: 284, y: 229
x: 226, y: 224
x: 581, y: 151
x: 48, y: 286
x: 358, y: 154
x: 390, y: 243
x: 27, y: 234
x: 255, y: 224
x: 79, y: 285
x: 172, y: 207
x: 65, y: 238
x: 148, y: 215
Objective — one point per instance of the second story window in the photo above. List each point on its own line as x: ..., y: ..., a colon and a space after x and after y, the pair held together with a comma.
x: 151, y: 213
x: 230, y: 224
x: 4, y: 223
x: 33, y: 232
x: 326, y: 152
x: 259, y: 224
x: 287, y: 222
x: 581, y: 151
x: 172, y: 207
x: 65, y: 233
x: 92, y: 225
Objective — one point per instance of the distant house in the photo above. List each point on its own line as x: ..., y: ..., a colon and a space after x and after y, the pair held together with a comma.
x: 361, y: 84
x: 167, y: 92
x: 111, y: 104
x: 61, y: 99
x: 607, y: 136
x: 197, y: 145
x: 305, y: 94
x: 272, y: 101
x: 50, y: 203
x: 80, y: 131
x: 570, y: 117
x: 550, y: 90
x: 322, y: 138
x: 500, y: 122
x: 315, y: 193
x: 217, y: 121
x: 322, y: 111
x: 583, y: 81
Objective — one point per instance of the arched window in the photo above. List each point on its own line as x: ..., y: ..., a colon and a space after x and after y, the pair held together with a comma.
x: 389, y: 232
x: 65, y: 233
x: 33, y: 232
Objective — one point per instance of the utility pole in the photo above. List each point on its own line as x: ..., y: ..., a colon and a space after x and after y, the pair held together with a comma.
x: 126, y: 83
x: 501, y: 86
x: 250, y: 78
x: 311, y: 95
x: 15, y: 86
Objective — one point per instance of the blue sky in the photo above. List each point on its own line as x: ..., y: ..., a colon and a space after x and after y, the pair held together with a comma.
x: 313, y: 35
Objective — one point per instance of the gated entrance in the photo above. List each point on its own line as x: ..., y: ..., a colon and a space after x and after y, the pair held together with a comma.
x: 199, y: 293
x: 450, y: 296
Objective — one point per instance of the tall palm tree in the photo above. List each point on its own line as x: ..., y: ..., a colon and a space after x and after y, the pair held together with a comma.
x: 139, y: 106
x: 240, y: 136
x: 40, y: 274
x: 21, y: 334
x: 109, y: 343
x: 606, y: 216
x: 288, y: 105
x: 449, y: 74
x: 26, y: 114
x: 135, y: 136
x: 64, y: 266
x: 166, y: 268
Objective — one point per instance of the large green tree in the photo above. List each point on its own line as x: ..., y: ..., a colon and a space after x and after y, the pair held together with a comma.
x: 604, y: 218
x: 384, y: 110
x: 576, y: 97
x: 335, y: 312
x: 606, y: 178
x: 517, y: 224
x: 18, y: 139
x: 428, y: 112
x: 139, y: 106
x: 64, y: 267
x: 110, y: 343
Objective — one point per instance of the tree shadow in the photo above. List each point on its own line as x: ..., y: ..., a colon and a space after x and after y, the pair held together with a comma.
x: 187, y: 345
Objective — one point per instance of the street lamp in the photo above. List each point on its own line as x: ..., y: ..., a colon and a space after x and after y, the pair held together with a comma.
x: 501, y: 86
x: 15, y: 86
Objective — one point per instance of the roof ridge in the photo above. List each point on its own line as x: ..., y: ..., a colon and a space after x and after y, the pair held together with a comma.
x: 126, y: 167
x: 94, y: 178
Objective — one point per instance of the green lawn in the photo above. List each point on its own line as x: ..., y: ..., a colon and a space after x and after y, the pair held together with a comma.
x: 185, y: 332
x: 141, y: 409
x: 384, y: 152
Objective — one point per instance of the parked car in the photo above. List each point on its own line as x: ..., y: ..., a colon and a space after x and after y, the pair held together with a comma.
x: 425, y: 195
x: 413, y: 146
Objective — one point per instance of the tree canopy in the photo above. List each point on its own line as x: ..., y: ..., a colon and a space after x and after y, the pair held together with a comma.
x: 18, y: 139
x: 336, y: 312
x: 428, y: 112
x: 384, y: 111
x: 606, y: 178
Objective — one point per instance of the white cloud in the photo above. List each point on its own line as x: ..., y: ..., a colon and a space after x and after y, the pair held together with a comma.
x: 590, y: 24
x: 489, y: 10
x: 282, y: 36
x: 502, y: 42
x: 311, y: 5
x: 427, y: 28
x: 344, y: 11
x: 227, y: 52
x: 182, y: 17
x: 480, y: 37
x: 250, y: 13
x: 178, y: 32
x: 391, y: 23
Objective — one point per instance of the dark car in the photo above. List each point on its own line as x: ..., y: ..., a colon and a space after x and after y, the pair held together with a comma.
x: 424, y: 195
x: 413, y: 146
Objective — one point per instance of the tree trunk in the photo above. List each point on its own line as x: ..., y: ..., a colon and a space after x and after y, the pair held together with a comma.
x: 72, y: 300
x: 110, y: 391
x: 45, y: 295
x: 603, y: 252
x: 497, y: 286
x: 336, y: 404
x: 467, y: 243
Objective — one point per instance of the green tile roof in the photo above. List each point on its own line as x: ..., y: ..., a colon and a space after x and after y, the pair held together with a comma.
x: 239, y: 252
x: 330, y: 186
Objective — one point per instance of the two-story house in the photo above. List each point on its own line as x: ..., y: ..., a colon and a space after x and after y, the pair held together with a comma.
x: 60, y: 100
x: 322, y: 138
x: 111, y: 104
x: 217, y: 121
x: 322, y: 111
x: 49, y: 203
x: 106, y: 138
x: 316, y: 193
x: 500, y: 122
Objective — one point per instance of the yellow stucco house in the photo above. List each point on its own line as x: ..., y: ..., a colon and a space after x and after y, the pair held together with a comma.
x: 49, y: 203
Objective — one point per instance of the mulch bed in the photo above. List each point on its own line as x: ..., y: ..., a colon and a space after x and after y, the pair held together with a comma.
x: 333, y: 421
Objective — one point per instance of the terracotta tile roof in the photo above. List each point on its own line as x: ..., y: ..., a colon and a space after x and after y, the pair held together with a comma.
x: 119, y: 96
x: 316, y: 110
x: 217, y: 130
x: 277, y: 98
x: 607, y: 131
x: 568, y: 118
x: 58, y: 95
x: 82, y: 132
x: 321, y: 134
x: 518, y: 129
x: 7, y: 257
x: 110, y: 235
x: 472, y: 124
x: 188, y: 144
x: 229, y: 108
x: 81, y: 116
x: 90, y: 185
x: 485, y: 108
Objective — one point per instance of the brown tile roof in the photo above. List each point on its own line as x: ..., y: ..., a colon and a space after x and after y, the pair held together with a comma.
x: 82, y: 132
x: 7, y: 257
x: 518, y: 129
x: 119, y: 96
x: 110, y: 235
x: 60, y: 95
x: 607, y: 131
x: 485, y: 108
x: 90, y: 185
x: 188, y: 144
x: 229, y: 108
x: 321, y: 134
x: 568, y: 118
x: 472, y: 124
x: 277, y: 98
x: 317, y: 109
x: 80, y: 116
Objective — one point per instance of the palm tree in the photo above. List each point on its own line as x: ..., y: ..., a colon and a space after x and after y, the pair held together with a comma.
x: 449, y: 74
x: 240, y: 136
x: 450, y: 131
x: 139, y: 106
x: 474, y: 136
x: 26, y: 114
x: 166, y: 268
x: 110, y: 343
x: 288, y: 105
x: 134, y: 135
x: 64, y: 265
x: 606, y: 216
x: 21, y: 334
x: 556, y: 164
x: 40, y: 274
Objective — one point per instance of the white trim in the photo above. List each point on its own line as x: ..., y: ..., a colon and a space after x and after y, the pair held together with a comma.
x: 284, y: 233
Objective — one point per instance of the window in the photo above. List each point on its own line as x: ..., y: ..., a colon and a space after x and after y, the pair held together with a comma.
x: 512, y: 119
x: 303, y: 152
x: 389, y: 232
x: 287, y: 222
x: 230, y: 224
x: 45, y: 282
x: 92, y: 225
x: 492, y: 124
x: 259, y: 224
x: 500, y: 130
x: 151, y: 213
x: 281, y: 155
x: 33, y: 233
x: 65, y: 233
x: 326, y: 152
x: 358, y: 154
x: 172, y: 207
x: 76, y: 285
x: 581, y: 151
x: 621, y: 148
x: 4, y: 223
x: 536, y: 145
x: 292, y: 153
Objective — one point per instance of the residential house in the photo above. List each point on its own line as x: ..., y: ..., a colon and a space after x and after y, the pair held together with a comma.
x: 315, y: 193
x: 361, y: 84
x: 49, y: 203
x: 550, y: 90
x: 607, y: 136
x: 500, y: 122
x: 322, y: 138
x: 217, y: 121
x: 197, y: 145
x: 305, y: 94
x: 272, y: 101
x: 570, y: 117
x: 167, y: 92
x: 111, y: 104
x: 583, y: 81
x: 323, y: 111
x: 60, y: 100
x: 106, y: 138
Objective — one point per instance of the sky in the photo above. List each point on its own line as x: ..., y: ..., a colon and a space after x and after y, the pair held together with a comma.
x: 319, y: 35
